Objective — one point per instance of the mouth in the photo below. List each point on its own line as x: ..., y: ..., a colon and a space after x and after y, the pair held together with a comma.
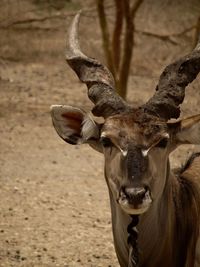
x: 135, y: 206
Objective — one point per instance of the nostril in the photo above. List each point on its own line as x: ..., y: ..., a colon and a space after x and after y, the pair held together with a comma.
x: 135, y: 192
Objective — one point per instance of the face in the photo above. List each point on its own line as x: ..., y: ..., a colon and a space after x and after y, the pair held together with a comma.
x: 136, y: 147
x: 136, y: 157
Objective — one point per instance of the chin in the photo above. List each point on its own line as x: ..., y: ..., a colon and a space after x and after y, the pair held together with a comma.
x: 135, y: 209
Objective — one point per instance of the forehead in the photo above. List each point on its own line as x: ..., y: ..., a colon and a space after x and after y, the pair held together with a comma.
x: 141, y: 128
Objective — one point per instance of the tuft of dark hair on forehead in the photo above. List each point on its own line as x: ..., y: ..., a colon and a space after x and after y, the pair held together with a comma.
x: 188, y: 162
x: 136, y: 162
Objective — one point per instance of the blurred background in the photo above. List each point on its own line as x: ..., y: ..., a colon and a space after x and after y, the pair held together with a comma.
x: 54, y: 208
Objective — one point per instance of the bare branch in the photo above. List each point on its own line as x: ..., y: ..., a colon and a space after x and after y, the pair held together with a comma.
x: 31, y: 20
x: 135, y: 7
x: 161, y: 37
x: 8, y: 22
x: 127, y: 53
x: 197, y: 32
x: 40, y: 19
x: 105, y: 35
x: 129, y: 13
x: 116, y: 41
x: 166, y: 37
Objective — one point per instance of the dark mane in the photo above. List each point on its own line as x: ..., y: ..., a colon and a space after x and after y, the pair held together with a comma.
x: 187, y: 206
x: 187, y: 164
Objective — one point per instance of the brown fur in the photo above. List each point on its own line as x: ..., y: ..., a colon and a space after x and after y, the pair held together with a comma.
x: 178, y: 213
x: 170, y: 227
x: 176, y: 246
x: 187, y: 204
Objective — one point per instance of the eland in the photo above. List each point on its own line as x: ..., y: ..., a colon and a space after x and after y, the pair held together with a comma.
x: 145, y: 193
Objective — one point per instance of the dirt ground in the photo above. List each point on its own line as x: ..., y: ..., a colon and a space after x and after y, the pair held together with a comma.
x: 54, y: 207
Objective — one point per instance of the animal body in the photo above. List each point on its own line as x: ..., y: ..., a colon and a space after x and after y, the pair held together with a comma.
x: 136, y: 144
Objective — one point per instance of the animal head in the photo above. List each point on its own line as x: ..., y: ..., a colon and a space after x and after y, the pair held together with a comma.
x: 136, y: 142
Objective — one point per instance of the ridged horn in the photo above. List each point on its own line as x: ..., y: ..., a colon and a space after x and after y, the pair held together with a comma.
x: 99, y: 80
x: 170, y: 91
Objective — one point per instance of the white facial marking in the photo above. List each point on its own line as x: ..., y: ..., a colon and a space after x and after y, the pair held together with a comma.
x: 124, y: 152
x: 145, y: 152
x: 166, y: 135
x: 103, y: 134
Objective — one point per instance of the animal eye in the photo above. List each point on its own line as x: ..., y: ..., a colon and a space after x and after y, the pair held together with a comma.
x: 162, y: 143
x: 106, y: 142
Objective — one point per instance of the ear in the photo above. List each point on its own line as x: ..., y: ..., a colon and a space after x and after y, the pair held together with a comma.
x: 186, y: 131
x: 73, y: 125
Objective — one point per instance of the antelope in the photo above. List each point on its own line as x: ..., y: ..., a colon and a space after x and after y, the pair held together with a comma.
x: 136, y: 143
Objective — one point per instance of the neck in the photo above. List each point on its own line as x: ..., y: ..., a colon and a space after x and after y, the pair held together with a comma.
x: 158, y: 229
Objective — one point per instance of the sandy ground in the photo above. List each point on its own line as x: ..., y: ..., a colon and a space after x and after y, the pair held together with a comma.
x: 53, y: 195
x: 54, y: 207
